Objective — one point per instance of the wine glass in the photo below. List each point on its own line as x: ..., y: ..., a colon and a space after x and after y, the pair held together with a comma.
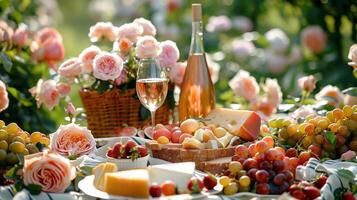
x: 151, y: 85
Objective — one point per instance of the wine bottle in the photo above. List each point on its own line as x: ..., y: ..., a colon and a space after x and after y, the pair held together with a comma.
x: 197, y: 96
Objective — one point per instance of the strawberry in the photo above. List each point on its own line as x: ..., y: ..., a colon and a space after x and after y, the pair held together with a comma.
x: 348, y: 196
x: 110, y: 153
x: 298, y: 194
x: 129, y: 145
x: 321, y: 181
x: 116, y: 147
x: 195, y: 185
x: 143, y: 151
x: 312, y: 192
x: 209, y: 181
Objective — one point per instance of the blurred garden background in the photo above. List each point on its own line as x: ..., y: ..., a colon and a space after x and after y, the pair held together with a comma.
x: 282, y: 39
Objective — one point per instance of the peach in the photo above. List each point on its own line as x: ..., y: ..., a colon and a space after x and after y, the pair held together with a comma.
x: 183, y: 136
x: 190, y: 126
x: 162, y: 132
x: 175, y: 138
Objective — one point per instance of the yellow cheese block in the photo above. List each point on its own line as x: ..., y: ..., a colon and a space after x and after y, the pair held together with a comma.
x: 130, y: 183
x: 99, y: 172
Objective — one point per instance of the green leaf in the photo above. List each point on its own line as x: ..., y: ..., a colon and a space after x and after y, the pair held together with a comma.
x: 11, y: 173
x: 5, y: 60
x: 87, y: 170
x: 338, y: 193
x: 331, y: 137
x: 352, y: 91
x: 144, y: 113
x: 19, y: 96
x: 346, y: 174
x: 34, y: 189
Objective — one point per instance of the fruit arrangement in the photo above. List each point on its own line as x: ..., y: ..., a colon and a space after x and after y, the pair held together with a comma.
x: 304, y: 190
x: 259, y: 165
x: 128, y: 150
x: 15, y: 142
x: 326, y: 136
x: 194, y: 186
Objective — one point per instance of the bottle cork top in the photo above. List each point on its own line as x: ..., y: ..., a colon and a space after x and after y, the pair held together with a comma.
x: 196, y: 12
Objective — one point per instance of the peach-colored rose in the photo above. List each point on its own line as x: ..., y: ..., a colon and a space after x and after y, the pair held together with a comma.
x: 169, y: 54
x: 307, y: 83
x: 70, y: 68
x: 4, y: 99
x: 51, y: 171
x: 314, y: 38
x: 124, y: 45
x: 178, y: 72
x: 331, y: 94
x: 276, y: 63
x: 148, y: 27
x: 350, y: 100
x: 244, y: 85
x: 263, y: 107
x: 147, y: 47
x: 6, y: 31
x: 20, y: 37
x: 72, y: 139
x: 348, y: 155
x: 63, y: 88
x: 107, y: 66
x: 46, y: 93
x: 87, y: 56
x: 123, y: 78
x: 273, y: 91
x: 213, y: 68
x: 278, y: 40
x: 51, y: 51
x: 130, y: 31
x: 303, y: 112
x: 352, y: 55
x: 48, y: 33
x: 102, y: 30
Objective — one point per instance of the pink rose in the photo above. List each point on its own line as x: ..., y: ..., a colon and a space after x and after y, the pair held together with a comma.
x: 169, y: 54
x: 273, y: 91
x: 20, y: 37
x: 102, y: 30
x: 70, y: 68
x: 63, y: 88
x: 263, y: 107
x: 307, y: 83
x: 331, y: 94
x: 130, y: 31
x: 70, y: 109
x: 213, y: 68
x: 51, y: 51
x: 87, y: 56
x: 348, y: 155
x: 278, y: 40
x: 147, y: 47
x: 218, y: 23
x: 48, y: 33
x: 314, y: 38
x: 107, y: 66
x: 352, y: 55
x: 6, y: 31
x: 303, y: 112
x: 244, y: 85
x: 124, y: 45
x: 4, y: 99
x: 178, y: 72
x: 72, y: 139
x: 46, y: 93
x: 242, y: 23
x: 276, y: 63
x: 123, y: 78
x: 148, y: 27
x: 51, y: 171
x: 242, y: 49
x: 350, y: 100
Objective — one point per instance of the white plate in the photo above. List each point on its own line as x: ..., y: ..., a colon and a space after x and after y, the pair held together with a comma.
x: 87, y: 186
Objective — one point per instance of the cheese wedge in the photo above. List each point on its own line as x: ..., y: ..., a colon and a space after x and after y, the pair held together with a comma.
x: 130, y: 183
x: 179, y: 173
x: 99, y: 172
x: 242, y: 123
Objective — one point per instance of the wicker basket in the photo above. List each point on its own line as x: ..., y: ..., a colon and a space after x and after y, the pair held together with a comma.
x: 110, y: 110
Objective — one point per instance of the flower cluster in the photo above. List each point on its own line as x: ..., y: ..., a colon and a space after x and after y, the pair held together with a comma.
x: 93, y: 66
x: 246, y: 86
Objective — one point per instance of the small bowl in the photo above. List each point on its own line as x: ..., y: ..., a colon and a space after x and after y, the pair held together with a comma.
x: 126, y: 164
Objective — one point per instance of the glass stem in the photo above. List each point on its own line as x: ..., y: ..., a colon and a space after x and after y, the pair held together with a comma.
x: 153, y: 118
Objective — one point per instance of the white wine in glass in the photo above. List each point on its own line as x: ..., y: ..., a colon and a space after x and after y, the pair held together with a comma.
x: 151, y: 85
